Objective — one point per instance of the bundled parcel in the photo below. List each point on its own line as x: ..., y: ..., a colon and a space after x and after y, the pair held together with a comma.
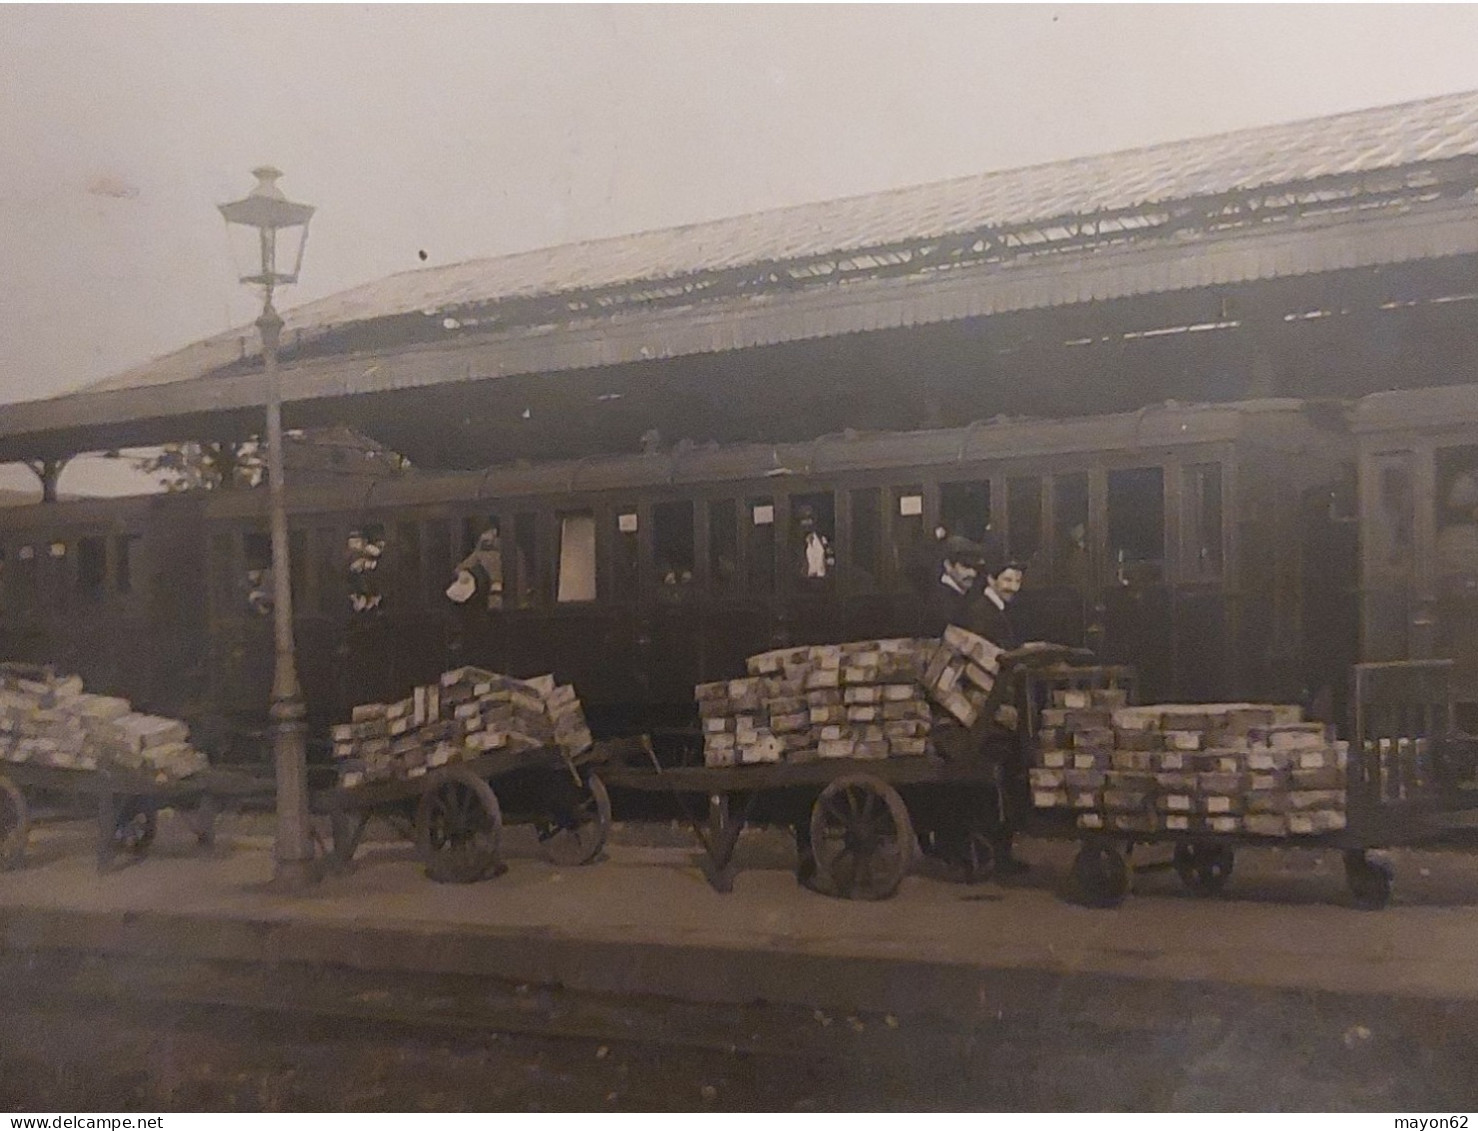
x: 867, y: 699
x: 1209, y: 768
x: 48, y: 720
x: 466, y: 713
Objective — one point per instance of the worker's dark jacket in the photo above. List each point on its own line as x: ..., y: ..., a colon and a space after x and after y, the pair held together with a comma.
x: 985, y: 618
x: 944, y: 606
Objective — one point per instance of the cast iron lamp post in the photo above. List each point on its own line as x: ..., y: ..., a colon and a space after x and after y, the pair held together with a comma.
x: 281, y: 224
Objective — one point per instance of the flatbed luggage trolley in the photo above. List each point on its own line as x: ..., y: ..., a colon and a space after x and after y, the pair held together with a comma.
x: 125, y: 803
x: 1409, y: 783
x: 857, y: 821
x: 455, y: 818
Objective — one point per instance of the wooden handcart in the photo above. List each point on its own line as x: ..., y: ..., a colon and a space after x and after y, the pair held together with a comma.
x: 856, y: 822
x: 455, y: 818
x: 126, y: 805
x: 1410, y: 783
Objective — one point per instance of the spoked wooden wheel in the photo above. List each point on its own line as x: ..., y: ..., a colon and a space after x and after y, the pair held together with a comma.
x: 133, y: 832
x: 1204, y: 868
x: 15, y: 824
x: 861, y: 837
x: 579, y: 821
x: 458, y: 827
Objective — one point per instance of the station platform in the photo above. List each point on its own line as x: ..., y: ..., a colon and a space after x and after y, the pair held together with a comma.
x: 643, y: 921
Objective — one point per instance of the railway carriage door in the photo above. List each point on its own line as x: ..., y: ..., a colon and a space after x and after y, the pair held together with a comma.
x: 810, y: 555
x: 1138, y: 621
x: 676, y: 650
x: 1202, y: 615
x: 1388, y: 505
x: 1455, y: 564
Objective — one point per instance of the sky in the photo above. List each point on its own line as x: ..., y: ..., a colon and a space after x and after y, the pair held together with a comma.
x: 464, y: 131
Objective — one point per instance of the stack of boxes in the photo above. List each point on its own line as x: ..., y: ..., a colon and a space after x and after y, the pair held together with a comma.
x: 864, y: 699
x: 961, y: 673
x: 1192, y: 768
x: 51, y: 721
x: 467, y: 712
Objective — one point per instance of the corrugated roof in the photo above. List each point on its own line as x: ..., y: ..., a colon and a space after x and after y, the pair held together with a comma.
x: 665, y: 303
x: 1302, y: 153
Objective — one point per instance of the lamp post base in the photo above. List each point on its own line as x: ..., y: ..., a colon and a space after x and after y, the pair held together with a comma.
x: 292, y: 877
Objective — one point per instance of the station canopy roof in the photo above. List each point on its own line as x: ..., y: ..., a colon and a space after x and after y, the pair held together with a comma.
x: 1104, y: 282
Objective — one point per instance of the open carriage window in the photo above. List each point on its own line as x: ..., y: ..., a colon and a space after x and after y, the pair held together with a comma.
x: 1024, y: 517
x: 576, y: 557
x: 92, y: 565
x: 914, y: 549
x: 723, y: 546
x: 1136, y: 524
x: 626, y: 566
x: 760, y: 547
x: 813, y: 538
x: 964, y: 509
x: 1391, y: 532
x: 1071, y: 555
x: 1457, y: 512
x: 526, y: 560
x: 1201, y: 491
x: 674, y: 555
x: 867, y: 535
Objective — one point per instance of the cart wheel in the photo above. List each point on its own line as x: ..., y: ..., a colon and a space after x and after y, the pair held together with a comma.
x: 458, y: 826
x: 15, y: 824
x: 969, y: 853
x: 861, y: 837
x: 1203, y: 868
x: 1100, y: 877
x: 580, y: 822
x: 1369, y: 880
x: 134, y: 830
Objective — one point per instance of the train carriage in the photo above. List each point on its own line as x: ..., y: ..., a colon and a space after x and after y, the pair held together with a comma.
x: 1199, y: 543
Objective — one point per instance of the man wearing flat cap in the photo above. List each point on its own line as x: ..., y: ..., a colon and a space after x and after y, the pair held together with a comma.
x: 949, y: 598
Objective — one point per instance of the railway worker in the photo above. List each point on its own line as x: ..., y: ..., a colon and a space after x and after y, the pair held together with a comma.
x: 949, y: 597
x: 992, y: 743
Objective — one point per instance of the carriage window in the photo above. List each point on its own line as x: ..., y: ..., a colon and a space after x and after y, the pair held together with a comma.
x: 1024, y: 517
x: 915, y: 557
x: 1136, y: 522
x: 964, y: 509
x: 1202, y: 491
x: 329, y: 560
x: 404, y: 577
x: 1070, y: 530
x: 813, y: 537
x: 1457, y: 512
x: 526, y: 560
x: 760, y: 545
x: 125, y: 546
x: 440, y: 565
x: 576, y: 557
x: 92, y: 564
x: 627, y: 565
x: 1392, y: 533
x: 867, y: 532
x: 673, y: 550
x: 723, y: 545
x: 257, y: 549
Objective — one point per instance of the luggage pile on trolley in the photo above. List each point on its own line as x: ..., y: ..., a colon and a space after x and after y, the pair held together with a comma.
x: 50, y: 720
x: 466, y: 713
x: 1191, y: 768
